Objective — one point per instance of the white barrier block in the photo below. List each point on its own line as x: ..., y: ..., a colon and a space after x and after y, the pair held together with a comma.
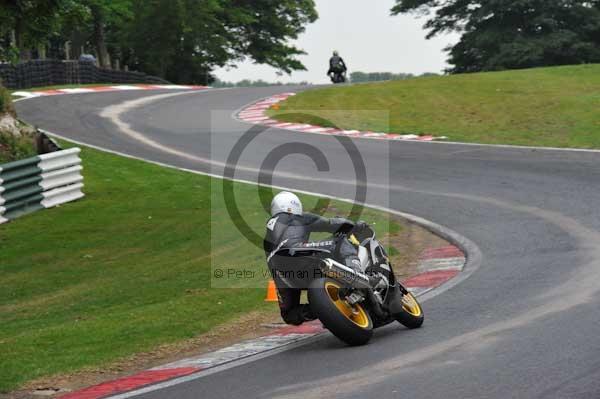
x: 61, y: 177
x: 59, y: 154
x: 62, y: 195
x: 59, y: 160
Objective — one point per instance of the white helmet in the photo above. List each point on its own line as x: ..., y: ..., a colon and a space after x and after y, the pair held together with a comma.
x: 286, y: 202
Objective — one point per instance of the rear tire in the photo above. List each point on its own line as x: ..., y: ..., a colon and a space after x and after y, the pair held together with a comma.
x: 351, y: 324
x: 412, y: 314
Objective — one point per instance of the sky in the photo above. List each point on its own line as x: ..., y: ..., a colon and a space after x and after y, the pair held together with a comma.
x: 367, y: 37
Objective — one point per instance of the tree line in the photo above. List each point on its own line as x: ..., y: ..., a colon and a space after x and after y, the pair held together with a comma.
x: 179, y: 40
x: 512, y: 34
x: 255, y: 83
x: 360, y: 77
x: 184, y: 40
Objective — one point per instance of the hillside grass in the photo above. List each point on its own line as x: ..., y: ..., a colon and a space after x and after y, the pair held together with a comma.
x: 552, y: 107
x: 127, y: 268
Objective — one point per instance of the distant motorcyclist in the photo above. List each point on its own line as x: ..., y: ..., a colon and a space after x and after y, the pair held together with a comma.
x: 289, y: 227
x: 336, y: 65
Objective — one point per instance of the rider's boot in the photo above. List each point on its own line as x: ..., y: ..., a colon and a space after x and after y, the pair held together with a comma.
x: 307, y: 313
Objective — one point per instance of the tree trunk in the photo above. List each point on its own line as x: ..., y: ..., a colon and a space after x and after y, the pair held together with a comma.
x: 42, y: 52
x: 76, y: 43
x: 67, y: 50
x: 23, y: 53
x: 99, y: 39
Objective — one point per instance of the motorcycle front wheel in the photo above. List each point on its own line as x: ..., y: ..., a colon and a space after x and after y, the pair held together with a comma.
x: 350, y: 323
x: 412, y: 314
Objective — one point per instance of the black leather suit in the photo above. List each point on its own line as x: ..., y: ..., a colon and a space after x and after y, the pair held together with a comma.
x: 336, y: 65
x: 285, y: 231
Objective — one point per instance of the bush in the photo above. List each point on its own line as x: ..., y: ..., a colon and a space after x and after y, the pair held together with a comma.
x: 5, y: 101
x: 13, y: 148
x: 19, y: 144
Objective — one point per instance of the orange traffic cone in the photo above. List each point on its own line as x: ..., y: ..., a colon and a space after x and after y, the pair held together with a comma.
x: 271, y: 292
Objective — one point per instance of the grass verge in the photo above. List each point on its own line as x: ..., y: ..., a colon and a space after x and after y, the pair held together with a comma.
x: 126, y: 269
x: 555, y: 107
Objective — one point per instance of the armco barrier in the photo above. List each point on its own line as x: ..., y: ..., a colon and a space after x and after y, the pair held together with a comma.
x: 40, y: 182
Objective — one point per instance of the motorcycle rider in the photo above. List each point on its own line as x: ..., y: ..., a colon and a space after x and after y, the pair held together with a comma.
x: 336, y: 64
x: 288, y: 228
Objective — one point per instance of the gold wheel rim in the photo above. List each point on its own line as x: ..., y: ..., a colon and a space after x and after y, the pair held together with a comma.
x: 410, y: 305
x: 356, y: 314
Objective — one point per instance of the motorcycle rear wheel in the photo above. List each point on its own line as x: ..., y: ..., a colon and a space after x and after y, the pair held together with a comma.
x: 412, y: 314
x: 350, y: 323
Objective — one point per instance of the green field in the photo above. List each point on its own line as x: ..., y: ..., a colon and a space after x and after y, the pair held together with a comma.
x: 125, y: 269
x: 556, y: 107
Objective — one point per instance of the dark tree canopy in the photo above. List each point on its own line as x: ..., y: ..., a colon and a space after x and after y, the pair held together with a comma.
x: 511, y: 34
x: 183, y: 40
x: 29, y: 20
x: 180, y: 40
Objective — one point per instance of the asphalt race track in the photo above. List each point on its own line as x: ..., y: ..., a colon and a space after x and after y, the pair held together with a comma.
x: 525, y: 325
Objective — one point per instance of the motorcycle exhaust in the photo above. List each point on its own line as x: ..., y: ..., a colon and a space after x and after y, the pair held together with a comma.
x: 355, y: 279
x: 344, y: 273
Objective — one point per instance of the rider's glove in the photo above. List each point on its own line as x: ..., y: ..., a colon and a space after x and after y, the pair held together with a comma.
x: 343, y: 225
x: 341, y: 221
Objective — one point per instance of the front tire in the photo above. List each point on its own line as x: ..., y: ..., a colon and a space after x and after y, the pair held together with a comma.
x: 351, y: 324
x: 412, y: 314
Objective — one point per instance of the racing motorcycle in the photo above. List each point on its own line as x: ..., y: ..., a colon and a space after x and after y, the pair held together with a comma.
x: 351, y: 303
